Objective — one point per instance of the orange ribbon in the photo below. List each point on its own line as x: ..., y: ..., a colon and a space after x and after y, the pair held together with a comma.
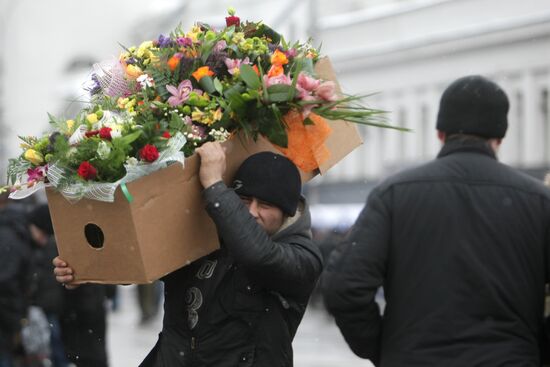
x: 306, y: 143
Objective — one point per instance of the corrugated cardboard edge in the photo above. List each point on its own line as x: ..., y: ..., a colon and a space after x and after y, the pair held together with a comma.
x: 342, y: 131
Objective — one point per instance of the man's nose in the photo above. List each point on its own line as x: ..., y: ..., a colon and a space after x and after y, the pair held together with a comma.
x: 253, y: 207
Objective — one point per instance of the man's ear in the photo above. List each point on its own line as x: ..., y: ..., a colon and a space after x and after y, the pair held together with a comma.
x: 494, y: 143
x: 441, y: 135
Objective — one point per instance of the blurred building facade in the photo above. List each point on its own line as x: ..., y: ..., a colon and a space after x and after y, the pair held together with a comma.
x: 405, y: 51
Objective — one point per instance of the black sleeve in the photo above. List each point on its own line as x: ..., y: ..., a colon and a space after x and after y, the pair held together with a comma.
x: 290, y: 266
x: 12, y: 292
x: 354, y: 273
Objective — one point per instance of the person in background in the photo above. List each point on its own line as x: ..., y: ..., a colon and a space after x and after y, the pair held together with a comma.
x: 149, y: 297
x: 15, y: 249
x: 461, y: 246
x: 46, y: 293
x: 77, y: 318
x: 242, y: 304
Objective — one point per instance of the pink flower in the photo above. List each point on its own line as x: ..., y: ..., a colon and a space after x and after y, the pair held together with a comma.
x: 36, y: 174
x: 179, y: 94
x: 327, y: 91
x: 233, y: 65
x: 307, y: 83
x: 279, y: 79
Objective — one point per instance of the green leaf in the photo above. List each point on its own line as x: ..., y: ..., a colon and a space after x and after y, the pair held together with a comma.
x: 218, y: 86
x: 272, y: 128
x: 130, y: 138
x: 249, y: 76
x: 236, y: 101
x: 207, y: 84
x: 176, y: 122
x: 280, y: 93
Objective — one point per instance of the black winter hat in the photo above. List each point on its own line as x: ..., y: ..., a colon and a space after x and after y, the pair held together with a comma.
x: 272, y: 178
x: 40, y: 217
x: 473, y: 105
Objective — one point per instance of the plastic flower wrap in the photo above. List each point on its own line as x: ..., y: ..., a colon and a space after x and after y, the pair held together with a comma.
x: 162, y: 99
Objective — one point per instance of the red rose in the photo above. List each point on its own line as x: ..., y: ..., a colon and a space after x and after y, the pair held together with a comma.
x: 87, y: 171
x: 149, y: 153
x: 105, y: 133
x: 166, y: 134
x: 91, y: 133
x: 232, y: 20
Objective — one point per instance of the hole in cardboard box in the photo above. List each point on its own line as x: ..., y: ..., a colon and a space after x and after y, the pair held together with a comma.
x: 94, y: 235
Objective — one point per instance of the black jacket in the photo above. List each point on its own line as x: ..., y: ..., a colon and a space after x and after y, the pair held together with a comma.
x: 461, y: 247
x: 241, y: 305
x: 15, y: 273
x: 45, y: 291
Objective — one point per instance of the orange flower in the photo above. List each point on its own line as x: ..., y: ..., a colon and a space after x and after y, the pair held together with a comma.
x: 202, y: 72
x: 278, y: 58
x: 255, y: 68
x: 174, y: 61
x: 275, y: 70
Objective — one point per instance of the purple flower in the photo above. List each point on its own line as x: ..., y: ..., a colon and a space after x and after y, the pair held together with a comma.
x: 184, y: 41
x: 131, y: 61
x: 291, y: 52
x: 220, y: 46
x: 179, y: 94
x: 164, y: 41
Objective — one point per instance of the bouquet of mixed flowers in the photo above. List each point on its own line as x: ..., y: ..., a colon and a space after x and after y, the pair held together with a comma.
x: 161, y: 100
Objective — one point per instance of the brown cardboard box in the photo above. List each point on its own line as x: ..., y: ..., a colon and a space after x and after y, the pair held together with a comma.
x: 165, y: 226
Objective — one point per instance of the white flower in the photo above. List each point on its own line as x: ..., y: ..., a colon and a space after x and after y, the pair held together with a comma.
x: 103, y: 150
x: 131, y: 162
x: 145, y: 81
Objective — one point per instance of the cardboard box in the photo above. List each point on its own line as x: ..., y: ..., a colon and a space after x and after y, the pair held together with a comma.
x: 165, y: 227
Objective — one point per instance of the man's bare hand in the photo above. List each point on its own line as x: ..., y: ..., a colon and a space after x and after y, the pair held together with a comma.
x: 212, y: 163
x: 63, y: 273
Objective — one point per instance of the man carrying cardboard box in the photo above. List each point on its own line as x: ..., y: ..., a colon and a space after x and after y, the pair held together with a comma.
x: 242, y: 304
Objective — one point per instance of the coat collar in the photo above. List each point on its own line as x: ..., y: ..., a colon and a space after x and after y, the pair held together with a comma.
x: 466, y: 145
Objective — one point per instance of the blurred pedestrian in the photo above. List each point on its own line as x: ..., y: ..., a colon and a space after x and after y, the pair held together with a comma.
x: 461, y: 246
x: 46, y: 292
x: 14, y: 278
x: 149, y: 297
x: 84, y: 325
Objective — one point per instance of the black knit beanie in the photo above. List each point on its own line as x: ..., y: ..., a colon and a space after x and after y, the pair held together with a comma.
x: 40, y: 217
x: 272, y: 178
x: 473, y: 105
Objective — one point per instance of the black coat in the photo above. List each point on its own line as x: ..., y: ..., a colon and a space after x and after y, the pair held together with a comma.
x: 83, y: 325
x: 45, y: 291
x: 461, y: 246
x: 241, y: 305
x: 15, y: 273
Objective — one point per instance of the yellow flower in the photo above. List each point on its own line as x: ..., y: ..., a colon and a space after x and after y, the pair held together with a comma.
x: 121, y: 102
x: 70, y: 125
x: 217, y: 115
x: 144, y: 49
x: 197, y: 115
x: 91, y: 118
x: 34, y: 157
x: 133, y: 71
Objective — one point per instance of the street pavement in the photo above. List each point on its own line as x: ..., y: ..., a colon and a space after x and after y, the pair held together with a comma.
x: 318, y: 342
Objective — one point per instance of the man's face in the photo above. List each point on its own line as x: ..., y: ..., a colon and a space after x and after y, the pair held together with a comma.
x: 267, y: 215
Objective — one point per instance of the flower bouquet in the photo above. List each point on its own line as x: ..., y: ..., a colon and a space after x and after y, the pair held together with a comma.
x: 164, y: 98
x: 154, y: 106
